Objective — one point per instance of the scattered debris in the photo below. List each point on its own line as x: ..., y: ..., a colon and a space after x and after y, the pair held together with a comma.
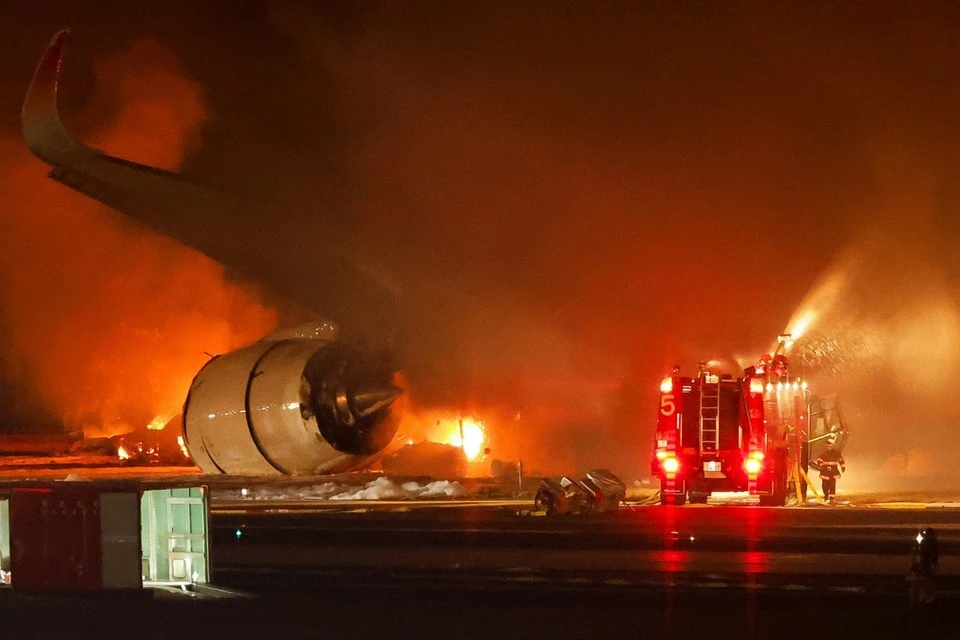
x: 599, y: 492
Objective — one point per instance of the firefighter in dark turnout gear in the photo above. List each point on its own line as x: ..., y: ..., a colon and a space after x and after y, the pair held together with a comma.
x: 831, y: 466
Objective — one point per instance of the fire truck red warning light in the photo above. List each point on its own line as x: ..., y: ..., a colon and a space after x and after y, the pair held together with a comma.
x: 670, y: 465
x: 666, y: 386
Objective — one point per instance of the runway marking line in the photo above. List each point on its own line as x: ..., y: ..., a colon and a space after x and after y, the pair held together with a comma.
x: 714, y: 585
x: 897, y: 505
x: 527, y: 579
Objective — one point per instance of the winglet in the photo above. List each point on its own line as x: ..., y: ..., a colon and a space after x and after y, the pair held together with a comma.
x: 43, y: 130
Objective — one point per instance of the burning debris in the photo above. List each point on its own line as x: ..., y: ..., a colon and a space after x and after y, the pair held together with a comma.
x: 138, y: 453
x: 450, y: 447
x: 152, y: 444
x: 152, y: 453
x: 466, y: 434
x: 426, y: 459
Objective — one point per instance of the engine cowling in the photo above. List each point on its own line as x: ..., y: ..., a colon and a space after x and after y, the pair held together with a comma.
x: 298, y: 402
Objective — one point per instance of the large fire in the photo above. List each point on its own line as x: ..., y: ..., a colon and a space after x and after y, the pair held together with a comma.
x: 473, y: 436
x: 130, y: 314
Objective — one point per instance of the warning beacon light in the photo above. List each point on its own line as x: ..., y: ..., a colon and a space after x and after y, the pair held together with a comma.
x: 671, y: 465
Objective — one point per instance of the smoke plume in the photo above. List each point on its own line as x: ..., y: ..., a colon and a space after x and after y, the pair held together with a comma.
x: 882, y: 330
x: 576, y: 202
x: 112, y: 319
x: 569, y: 201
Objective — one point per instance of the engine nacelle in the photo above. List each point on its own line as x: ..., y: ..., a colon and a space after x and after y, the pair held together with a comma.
x: 298, y: 402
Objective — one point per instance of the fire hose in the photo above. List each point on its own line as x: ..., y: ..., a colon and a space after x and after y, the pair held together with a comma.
x: 797, y: 473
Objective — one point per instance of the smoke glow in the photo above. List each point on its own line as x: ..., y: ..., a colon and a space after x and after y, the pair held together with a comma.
x: 571, y: 202
x: 111, y: 319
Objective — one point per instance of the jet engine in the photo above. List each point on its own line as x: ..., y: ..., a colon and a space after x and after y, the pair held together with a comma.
x: 298, y: 402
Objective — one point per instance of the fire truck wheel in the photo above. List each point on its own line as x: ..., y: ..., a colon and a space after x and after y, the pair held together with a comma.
x: 779, y: 496
x: 778, y: 499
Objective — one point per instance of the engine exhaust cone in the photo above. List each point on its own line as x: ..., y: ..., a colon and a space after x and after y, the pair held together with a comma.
x: 366, y: 402
x: 351, y: 392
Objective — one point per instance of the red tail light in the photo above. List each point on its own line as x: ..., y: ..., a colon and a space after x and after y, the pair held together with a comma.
x: 670, y: 465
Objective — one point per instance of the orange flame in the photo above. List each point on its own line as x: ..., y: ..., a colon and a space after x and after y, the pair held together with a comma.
x: 183, y: 447
x: 159, y: 422
x: 128, y: 312
x: 473, y: 437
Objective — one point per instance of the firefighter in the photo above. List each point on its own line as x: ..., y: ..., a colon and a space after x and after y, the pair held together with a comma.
x: 831, y: 466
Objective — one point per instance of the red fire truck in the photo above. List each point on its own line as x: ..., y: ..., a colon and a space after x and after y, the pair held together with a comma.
x: 720, y: 433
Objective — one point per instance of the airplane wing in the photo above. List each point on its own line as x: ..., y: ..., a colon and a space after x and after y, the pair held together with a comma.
x: 243, y: 235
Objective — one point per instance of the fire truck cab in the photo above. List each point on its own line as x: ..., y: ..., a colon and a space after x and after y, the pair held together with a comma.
x: 720, y: 433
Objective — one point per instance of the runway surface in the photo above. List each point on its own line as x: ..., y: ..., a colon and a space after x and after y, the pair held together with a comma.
x: 480, y: 568
x: 464, y: 613
x: 849, y: 548
x: 493, y: 569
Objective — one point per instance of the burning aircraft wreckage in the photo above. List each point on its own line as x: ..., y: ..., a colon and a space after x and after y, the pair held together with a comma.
x: 304, y: 400
x: 312, y: 399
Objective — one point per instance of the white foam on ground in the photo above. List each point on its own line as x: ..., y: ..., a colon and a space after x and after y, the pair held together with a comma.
x: 944, y: 500
x: 378, y: 489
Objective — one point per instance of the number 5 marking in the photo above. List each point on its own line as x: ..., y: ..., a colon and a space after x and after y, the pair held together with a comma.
x: 667, y: 406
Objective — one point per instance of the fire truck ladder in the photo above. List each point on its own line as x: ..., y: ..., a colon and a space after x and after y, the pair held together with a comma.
x: 709, y: 416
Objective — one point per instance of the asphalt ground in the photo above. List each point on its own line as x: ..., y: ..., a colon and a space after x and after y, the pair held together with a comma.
x: 444, y: 610
x: 481, y: 568
x: 487, y: 569
x: 864, y: 550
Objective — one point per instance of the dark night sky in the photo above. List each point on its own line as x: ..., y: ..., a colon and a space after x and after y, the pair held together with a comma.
x: 571, y: 196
